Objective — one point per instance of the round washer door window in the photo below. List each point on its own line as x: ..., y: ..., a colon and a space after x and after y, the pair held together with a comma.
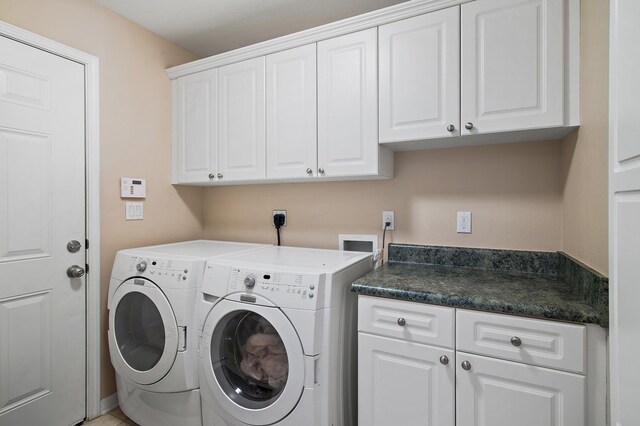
x: 253, y: 365
x: 143, y: 334
x: 139, y: 331
x: 253, y: 362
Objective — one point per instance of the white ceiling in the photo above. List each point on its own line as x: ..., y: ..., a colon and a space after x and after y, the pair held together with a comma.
x: 209, y: 27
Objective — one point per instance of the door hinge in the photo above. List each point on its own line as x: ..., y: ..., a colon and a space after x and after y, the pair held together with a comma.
x: 86, y: 268
x: 86, y: 244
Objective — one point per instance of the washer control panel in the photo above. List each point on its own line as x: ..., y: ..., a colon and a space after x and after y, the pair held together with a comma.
x: 282, y: 288
x: 172, y: 272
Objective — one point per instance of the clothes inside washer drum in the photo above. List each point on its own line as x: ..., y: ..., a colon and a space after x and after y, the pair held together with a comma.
x: 264, y: 359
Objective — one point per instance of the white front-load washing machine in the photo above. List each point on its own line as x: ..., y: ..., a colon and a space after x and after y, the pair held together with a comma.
x: 279, y: 338
x: 152, y: 337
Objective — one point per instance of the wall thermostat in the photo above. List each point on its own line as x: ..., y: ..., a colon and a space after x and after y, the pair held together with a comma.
x: 133, y: 188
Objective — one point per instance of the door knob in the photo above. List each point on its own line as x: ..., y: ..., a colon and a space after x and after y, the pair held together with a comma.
x: 75, y: 271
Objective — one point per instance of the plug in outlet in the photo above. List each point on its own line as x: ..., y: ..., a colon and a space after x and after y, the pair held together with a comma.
x: 464, y: 222
x: 389, y: 216
x: 284, y: 212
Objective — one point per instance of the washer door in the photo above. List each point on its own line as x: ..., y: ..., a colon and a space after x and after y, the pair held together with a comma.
x: 143, y: 334
x: 253, y: 362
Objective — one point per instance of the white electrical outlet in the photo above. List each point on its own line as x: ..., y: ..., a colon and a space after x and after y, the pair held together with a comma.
x: 275, y: 212
x: 389, y: 216
x: 464, y: 222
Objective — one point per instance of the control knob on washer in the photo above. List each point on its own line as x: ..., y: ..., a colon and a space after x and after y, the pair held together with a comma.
x: 141, y: 266
x: 250, y: 281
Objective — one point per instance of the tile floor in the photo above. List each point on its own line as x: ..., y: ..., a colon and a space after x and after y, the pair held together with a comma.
x: 114, y: 417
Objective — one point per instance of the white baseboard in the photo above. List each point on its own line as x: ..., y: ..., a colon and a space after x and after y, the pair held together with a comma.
x: 108, y: 404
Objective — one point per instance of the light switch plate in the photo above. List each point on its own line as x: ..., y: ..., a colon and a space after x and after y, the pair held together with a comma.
x: 134, y: 210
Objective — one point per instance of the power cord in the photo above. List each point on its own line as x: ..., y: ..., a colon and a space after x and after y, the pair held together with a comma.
x: 384, y: 234
x: 278, y: 222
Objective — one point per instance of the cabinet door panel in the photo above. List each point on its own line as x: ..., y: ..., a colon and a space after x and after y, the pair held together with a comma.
x: 404, y: 383
x: 196, y: 122
x: 502, y: 393
x: 420, y: 76
x: 512, y: 64
x: 291, y: 113
x: 242, y: 128
x: 347, y: 102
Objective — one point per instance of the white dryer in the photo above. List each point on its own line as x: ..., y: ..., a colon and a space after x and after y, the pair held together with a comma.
x: 152, y: 337
x: 279, y: 337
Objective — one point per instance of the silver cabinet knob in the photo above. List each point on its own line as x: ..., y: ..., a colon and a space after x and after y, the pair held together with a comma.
x: 250, y: 281
x: 141, y: 266
x: 211, y: 176
x: 321, y: 171
x: 444, y: 360
x: 515, y: 341
x: 451, y: 128
x: 468, y: 126
x: 75, y: 271
x: 466, y: 365
x: 402, y: 322
x: 73, y: 246
x: 220, y: 175
x: 309, y: 171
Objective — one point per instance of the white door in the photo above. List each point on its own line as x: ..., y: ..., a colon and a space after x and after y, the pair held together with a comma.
x: 404, y: 383
x: 347, y: 105
x: 241, y: 117
x: 512, y: 65
x: 42, y: 208
x: 291, y: 113
x: 420, y: 77
x: 196, y: 115
x: 624, y: 211
x: 503, y: 393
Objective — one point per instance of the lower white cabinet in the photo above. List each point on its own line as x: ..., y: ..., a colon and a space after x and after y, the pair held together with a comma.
x: 495, y: 392
x: 409, y: 377
x: 404, y: 383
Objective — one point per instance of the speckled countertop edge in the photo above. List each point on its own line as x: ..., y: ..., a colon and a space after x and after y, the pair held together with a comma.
x: 553, y: 287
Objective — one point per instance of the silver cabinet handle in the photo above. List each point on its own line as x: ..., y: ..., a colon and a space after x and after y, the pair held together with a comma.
x: 466, y: 365
x: 75, y: 271
x: 321, y: 171
x: 515, y: 341
x: 444, y: 360
x: 451, y: 128
x: 211, y: 176
x: 401, y: 322
x: 220, y: 175
x: 309, y: 171
x: 468, y: 126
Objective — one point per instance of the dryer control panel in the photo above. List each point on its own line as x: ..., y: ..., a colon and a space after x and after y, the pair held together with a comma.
x: 170, y: 273
x: 285, y: 289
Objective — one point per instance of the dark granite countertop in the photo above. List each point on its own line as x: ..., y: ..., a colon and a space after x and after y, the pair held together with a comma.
x: 545, y: 295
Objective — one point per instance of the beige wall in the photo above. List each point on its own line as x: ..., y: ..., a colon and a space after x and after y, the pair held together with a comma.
x: 514, y: 192
x: 585, y: 152
x: 135, y: 125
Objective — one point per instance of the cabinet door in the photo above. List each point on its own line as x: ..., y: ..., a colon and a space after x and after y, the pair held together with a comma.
x: 512, y: 64
x: 241, y: 121
x: 420, y: 77
x: 404, y: 383
x: 196, y: 117
x: 347, y: 102
x: 291, y: 113
x: 503, y: 393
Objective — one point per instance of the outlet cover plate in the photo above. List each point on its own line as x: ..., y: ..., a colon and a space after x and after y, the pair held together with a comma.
x: 464, y: 223
x: 389, y: 216
x: 275, y: 212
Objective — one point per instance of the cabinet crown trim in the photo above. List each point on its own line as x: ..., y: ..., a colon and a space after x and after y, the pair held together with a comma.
x: 312, y: 35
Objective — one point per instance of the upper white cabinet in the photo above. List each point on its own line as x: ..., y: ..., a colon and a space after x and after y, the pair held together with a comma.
x: 291, y: 114
x: 512, y: 65
x: 195, y: 116
x: 241, y: 121
x: 420, y: 77
x: 347, y: 106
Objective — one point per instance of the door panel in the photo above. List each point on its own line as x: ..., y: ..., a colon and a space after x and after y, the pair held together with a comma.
x: 512, y: 64
x: 42, y: 207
